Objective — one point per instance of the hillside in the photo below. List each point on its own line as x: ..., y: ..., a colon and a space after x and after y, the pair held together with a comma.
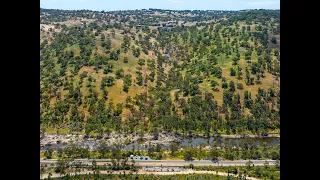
x: 146, y: 71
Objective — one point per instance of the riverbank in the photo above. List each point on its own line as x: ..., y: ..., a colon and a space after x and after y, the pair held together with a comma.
x: 250, y: 136
x: 163, y: 139
x: 112, y: 138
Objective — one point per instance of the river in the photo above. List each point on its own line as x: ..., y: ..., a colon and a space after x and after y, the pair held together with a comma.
x: 269, y: 141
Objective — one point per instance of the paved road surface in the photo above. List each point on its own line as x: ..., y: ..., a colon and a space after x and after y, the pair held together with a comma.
x: 172, y: 163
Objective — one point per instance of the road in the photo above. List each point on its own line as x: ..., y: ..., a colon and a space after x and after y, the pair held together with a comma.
x: 170, y: 163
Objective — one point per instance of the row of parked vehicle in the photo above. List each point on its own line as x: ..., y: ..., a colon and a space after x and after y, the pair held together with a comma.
x: 142, y: 158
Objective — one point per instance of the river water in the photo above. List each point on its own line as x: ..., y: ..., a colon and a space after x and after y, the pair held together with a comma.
x: 269, y: 141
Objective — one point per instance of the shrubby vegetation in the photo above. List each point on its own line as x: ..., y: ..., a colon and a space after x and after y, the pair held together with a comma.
x: 218, y: 150
x: 263, y: 172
